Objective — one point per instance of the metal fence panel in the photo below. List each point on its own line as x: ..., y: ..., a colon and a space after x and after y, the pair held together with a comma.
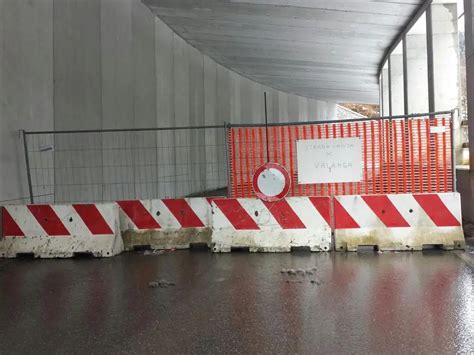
x: 399, y: 155
x: 110, y: 165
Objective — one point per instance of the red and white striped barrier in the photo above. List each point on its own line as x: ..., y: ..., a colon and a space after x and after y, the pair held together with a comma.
x: 271, y: 226
x: 398, y: 222
x: 165, y: 223
x: 60, y: 231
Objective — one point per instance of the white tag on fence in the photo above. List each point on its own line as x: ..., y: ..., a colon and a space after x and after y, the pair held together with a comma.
x: 437, y: 129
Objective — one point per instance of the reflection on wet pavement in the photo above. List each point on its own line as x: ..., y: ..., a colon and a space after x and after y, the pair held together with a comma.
x: 240, y: 302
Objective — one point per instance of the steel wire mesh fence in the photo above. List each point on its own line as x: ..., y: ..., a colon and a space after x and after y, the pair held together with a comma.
x: 109, y: 165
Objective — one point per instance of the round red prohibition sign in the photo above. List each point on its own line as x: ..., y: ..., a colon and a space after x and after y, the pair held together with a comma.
x: 271, y: 182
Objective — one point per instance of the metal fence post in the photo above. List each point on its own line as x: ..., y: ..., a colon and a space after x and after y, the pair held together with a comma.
x: 226, y: 148
x: 453, y: 153
x: 27, y: 161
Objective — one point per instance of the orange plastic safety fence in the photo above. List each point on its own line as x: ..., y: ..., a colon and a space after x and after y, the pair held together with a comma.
x: 398, y: 155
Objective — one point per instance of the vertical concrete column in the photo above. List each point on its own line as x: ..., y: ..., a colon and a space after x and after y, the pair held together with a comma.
x: 385, y: 91
x: 445, y: 55
x: 469, y: 23
x: 446, y: 63
x: 417, y: 67
x: 397, y: 96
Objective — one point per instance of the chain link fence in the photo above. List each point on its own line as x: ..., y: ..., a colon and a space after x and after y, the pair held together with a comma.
x: 110, y: 165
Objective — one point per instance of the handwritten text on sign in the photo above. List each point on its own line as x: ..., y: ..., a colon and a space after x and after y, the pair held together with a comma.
x: 329, y: 160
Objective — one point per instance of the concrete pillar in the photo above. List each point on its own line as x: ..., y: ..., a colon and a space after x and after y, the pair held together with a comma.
x: 417, y: 67
x: 385, y: 91
x: 397, y: 96
x: 445, y: 55
x: 469, y: 23
x: 465, y: 178
x: 446, y: 64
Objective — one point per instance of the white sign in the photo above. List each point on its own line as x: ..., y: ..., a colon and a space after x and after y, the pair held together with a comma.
x: 271, y: 182
x: 329, y: 160
x: 437, y: 129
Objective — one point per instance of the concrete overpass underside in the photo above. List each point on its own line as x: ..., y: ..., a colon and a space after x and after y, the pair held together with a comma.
x: 325, y: 49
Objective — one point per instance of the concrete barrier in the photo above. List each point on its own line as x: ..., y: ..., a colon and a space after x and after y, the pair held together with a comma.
x: 271, y: 226
x: 60, y: 231
x: 398, y: 222
x: 165, y: 223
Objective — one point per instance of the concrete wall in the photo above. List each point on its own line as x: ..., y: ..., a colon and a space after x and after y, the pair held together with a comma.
x: 26, y: 85
x: 91, y: 64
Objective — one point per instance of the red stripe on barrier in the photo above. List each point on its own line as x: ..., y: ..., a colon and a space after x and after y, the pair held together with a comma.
x: 10, y: 227
x: 284, y: 215
x: 385, y: 211
x: 323, y: 205
x: 49, y: 220
x: 236, y: 214
x: 183, y: 213
x: 343, y: 220
x: 437, y: 210
x: 92, y: 218
x: 139, y: 215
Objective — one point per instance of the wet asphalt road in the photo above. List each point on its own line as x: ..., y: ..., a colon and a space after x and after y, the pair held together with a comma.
x: 239, y: 303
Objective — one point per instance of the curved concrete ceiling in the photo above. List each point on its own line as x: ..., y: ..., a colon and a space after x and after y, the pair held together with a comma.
x: 323, y: 49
